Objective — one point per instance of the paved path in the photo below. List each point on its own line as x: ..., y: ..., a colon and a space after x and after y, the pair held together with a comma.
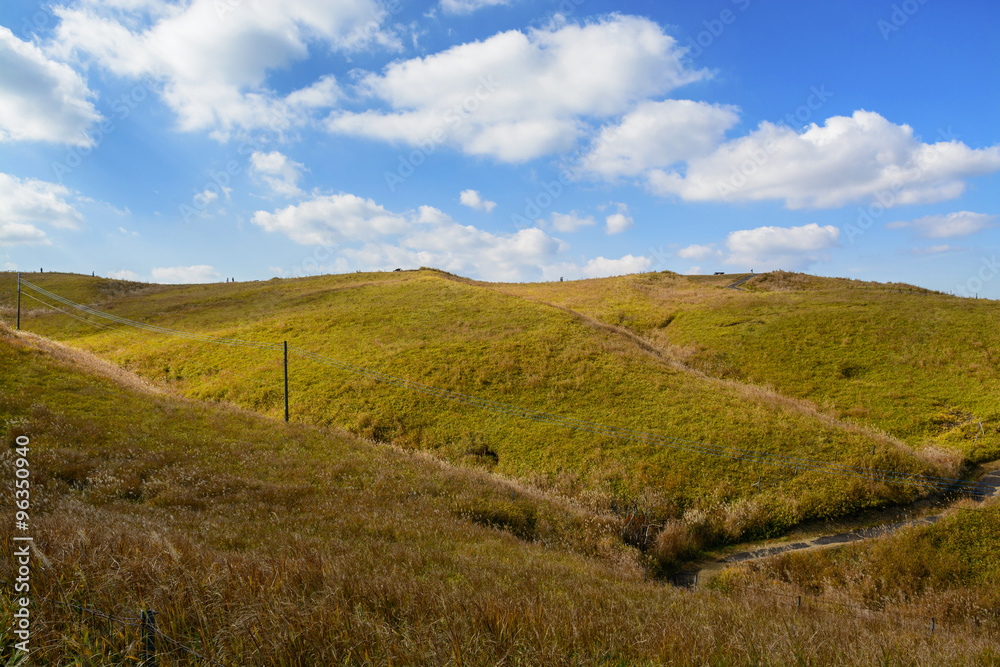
x: 708, y: 571
x: 988, y: 485
x: 739, y: 282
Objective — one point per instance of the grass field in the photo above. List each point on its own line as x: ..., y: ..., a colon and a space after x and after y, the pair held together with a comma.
x: 263, y: 543
x: 796, y: 366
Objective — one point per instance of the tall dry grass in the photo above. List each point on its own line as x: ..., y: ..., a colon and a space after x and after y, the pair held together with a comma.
x: 261, y: 543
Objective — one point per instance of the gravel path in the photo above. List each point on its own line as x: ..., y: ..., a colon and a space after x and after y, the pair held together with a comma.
x: 739, y: 282
x: 988, y: 485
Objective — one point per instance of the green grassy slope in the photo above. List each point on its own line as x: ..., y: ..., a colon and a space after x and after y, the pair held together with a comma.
x: 922, y: 366
x: 264, y: 543
x: 428, y: 327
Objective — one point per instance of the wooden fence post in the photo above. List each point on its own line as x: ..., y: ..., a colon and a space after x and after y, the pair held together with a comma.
x: 148, y: 638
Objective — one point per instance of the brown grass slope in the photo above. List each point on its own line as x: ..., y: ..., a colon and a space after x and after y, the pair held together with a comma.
x: 261, y: 543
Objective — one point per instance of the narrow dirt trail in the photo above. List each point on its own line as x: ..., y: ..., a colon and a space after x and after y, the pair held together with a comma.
x: 739, y: 282
x: 988, y: 485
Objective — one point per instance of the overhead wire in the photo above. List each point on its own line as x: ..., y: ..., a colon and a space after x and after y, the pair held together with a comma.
x: 152, y: 327
x: 69, y: 314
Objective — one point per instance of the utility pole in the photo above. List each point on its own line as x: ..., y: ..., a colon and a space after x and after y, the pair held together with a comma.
x: 286, y: 380
x: 18, y: 300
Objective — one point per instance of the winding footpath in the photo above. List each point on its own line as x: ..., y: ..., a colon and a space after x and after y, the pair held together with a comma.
x: 739, y: 282
x: 988, y: 485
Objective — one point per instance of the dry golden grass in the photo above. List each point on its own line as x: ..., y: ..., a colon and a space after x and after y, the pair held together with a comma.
x: 261, y: 543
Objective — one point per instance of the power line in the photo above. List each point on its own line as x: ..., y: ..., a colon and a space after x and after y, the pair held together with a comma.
x: 151, y: 327
x: 68, y: 314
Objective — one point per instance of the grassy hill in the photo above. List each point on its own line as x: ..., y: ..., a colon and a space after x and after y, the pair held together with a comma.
x: 922, y: 366
x: 766, y: 369
x: 260, y: 542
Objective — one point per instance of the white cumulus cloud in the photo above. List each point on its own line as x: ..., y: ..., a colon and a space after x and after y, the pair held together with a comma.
x: 278, y: 172
x: 21, y: 233
x: 472, y: 199
x: 212, y: 60
x: 332, y: 219
x: 355, y: 232
x: 616, y: 223
x: 951, y: 225
x: 601, y: 267
x: 469, y: 6
x: 124, y: 274
x: 659, y: 134
x: 41, y: 99
x: 571, y: 222
x: 30, y: 201
x: 519, y: 95
x: 935, y: 249
x: 199, y: 273
x: 434, y: 239
x: 848, y: 159
x: 766, y: 248
x: 698, y: 251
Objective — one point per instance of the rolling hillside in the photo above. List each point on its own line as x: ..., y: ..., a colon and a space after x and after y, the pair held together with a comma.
x: 259, y: 542
x: 921, y: 366
x: 658, y: 353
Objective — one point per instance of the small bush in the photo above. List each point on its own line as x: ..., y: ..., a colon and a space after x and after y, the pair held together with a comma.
x: 674, y: 545
x: 759, y: 518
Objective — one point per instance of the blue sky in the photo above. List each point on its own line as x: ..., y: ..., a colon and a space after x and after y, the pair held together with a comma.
x: 503, y: 140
